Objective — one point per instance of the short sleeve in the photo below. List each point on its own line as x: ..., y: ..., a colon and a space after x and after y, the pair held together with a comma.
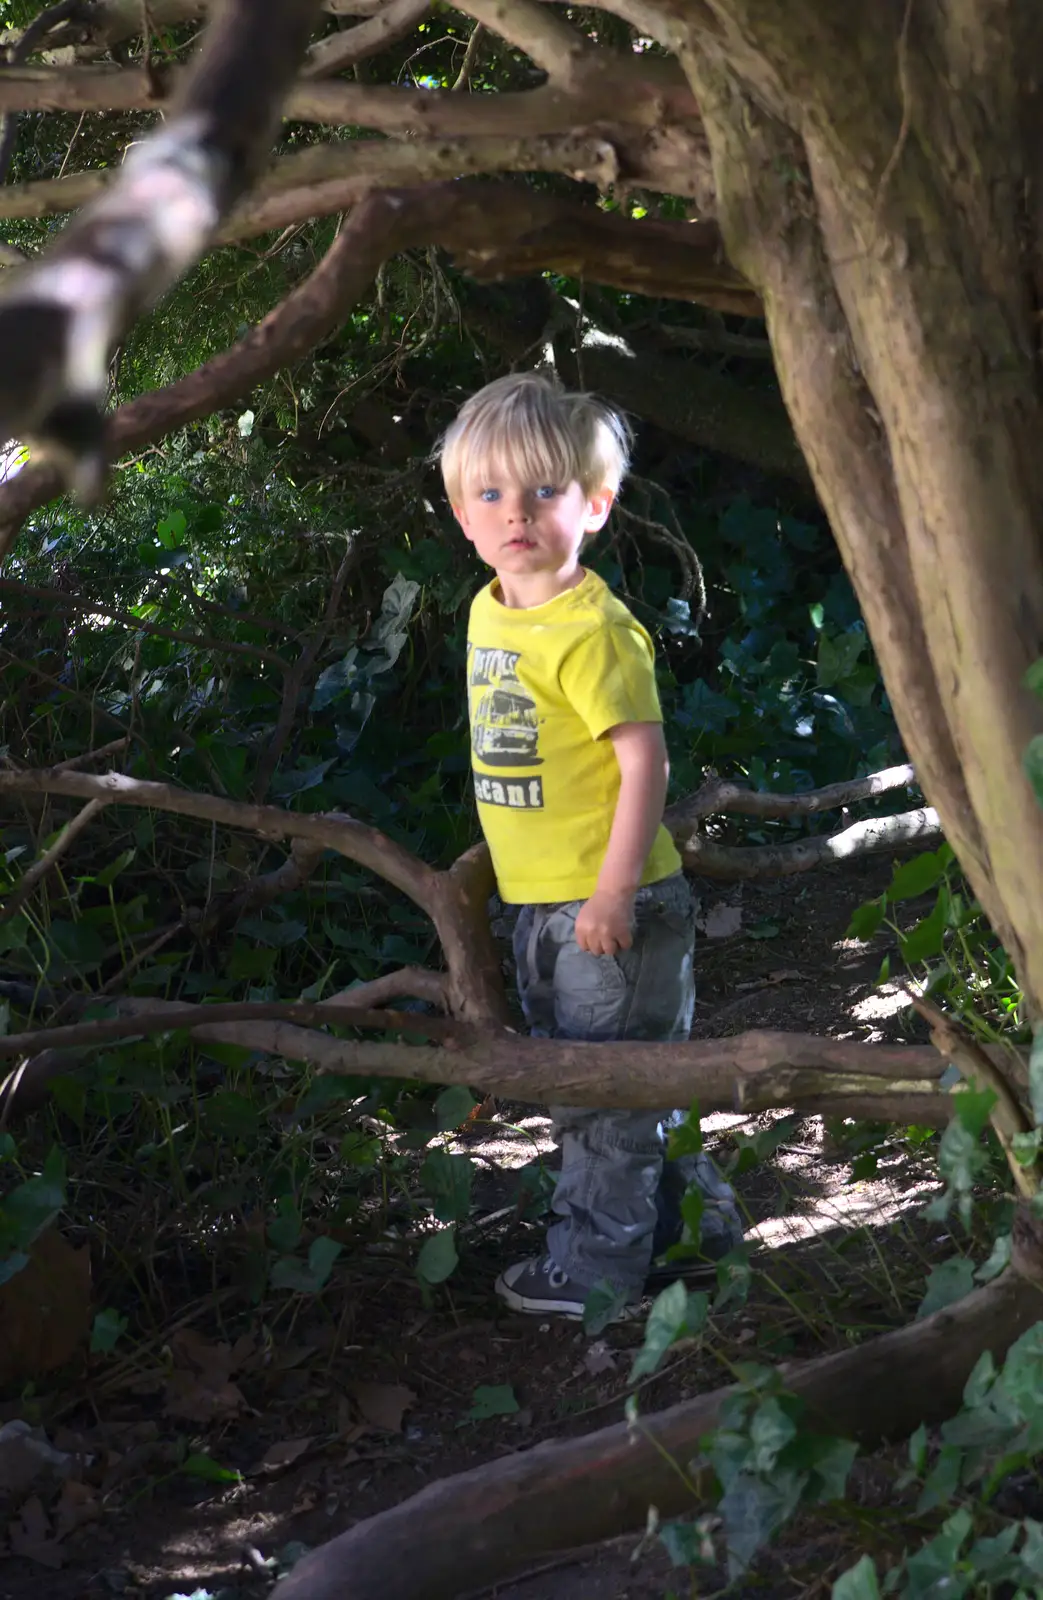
x: 609, y: 678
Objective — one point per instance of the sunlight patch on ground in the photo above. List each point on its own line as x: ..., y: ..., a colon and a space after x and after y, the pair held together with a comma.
x: 864, y: 1205
x: 885, y: 1001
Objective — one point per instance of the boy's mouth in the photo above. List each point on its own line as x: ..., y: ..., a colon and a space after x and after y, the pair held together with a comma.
x: 521, y: 544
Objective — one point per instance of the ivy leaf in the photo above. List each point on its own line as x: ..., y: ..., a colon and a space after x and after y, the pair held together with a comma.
x: 753, y: 1509
x: 925, y: 940
x: 947, y: 1283
x: 675, y: 1314
x: 211, y: 1471
x: 943, y: 1480
x: 108, y: 1328
x: 915, y: 877
x: 771, y: 1430
x: 866, y: 920
x: 685, y: 1138
x: 600, y: 1307
x: 453, y: 1106
x: 311, y: 1276
x: 859, y: 1582
x: 448, y: 1179
x: 493, y: 1400
x: 438, y: 1257
x: 997, y: 1262
x: 32, y: 1207
x: 686, y: 1543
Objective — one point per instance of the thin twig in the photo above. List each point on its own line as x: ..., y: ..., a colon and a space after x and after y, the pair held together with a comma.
x: 40, y: 868
x: 419, y: 983
x: 88, y: 756
x: 474, y: 44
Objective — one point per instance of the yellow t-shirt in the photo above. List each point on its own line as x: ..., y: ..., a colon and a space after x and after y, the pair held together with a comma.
x: 544, y: 686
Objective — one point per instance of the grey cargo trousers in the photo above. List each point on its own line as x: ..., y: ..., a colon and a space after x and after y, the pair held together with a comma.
x: 612, y: 1166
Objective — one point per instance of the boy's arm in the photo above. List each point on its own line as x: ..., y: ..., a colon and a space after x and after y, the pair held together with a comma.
x: 604, y: 923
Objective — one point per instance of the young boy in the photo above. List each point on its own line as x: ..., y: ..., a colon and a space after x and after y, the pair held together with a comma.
x: 570, y: 772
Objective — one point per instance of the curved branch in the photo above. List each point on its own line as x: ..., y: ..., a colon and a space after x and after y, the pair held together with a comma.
x: 113, y: 21
x: 695, y: 401
x: 416, y: 983
x: 148, y: 1016
x: 534, y: 29
x: 355, y: 840
x: 13, y: 588
x: 30, y: 40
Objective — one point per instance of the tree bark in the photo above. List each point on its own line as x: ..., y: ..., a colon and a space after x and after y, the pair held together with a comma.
x: 482, y: 1526
x: 899, y: 294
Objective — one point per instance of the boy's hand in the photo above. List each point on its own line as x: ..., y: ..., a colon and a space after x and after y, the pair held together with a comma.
x: 604, y: 924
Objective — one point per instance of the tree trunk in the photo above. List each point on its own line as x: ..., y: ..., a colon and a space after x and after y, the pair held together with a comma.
x: 872, y: 183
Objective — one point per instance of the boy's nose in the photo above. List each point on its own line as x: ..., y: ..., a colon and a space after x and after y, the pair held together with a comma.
x: 519, y: 510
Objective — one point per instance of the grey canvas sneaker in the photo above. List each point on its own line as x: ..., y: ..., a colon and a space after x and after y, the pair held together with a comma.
x: 539, y: 1288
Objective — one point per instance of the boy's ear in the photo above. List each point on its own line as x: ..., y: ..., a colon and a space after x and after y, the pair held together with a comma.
x: 599, y: 504
x: 458, y: 513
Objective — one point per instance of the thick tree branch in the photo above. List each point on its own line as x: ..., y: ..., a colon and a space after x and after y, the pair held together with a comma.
x: 60, y: 318
x: 534, y: 29
x: 455, y: 900
x: 722, y: 795
x: 111, y: 22
x: 869, y: 837
x: 355, y: 167
x: 749, y: 1072
x: 340, y: 50
x: 691, y: 399
x: 495, y: 230
x: 651, y: 88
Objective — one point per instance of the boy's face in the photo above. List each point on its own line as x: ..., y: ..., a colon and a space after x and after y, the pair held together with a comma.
x: 532, y: 530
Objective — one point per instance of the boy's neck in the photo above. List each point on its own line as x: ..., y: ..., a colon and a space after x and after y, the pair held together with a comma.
x: 522, y: 591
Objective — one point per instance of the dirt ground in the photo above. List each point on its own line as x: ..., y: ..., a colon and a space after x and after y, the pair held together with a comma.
x: 334, y: 1412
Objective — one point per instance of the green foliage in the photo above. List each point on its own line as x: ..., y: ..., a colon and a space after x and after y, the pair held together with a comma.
x: 675, y: 1314
x: 493, y: 1400
x: 767, y: 1464
x: 29, y: 1208
x: 997, y: 1432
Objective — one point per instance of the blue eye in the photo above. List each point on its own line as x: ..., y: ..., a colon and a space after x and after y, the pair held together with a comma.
x: 547, y: 491
x: 490, y: 496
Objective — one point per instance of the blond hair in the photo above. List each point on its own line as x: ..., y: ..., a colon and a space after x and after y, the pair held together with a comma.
x: 527, y: 429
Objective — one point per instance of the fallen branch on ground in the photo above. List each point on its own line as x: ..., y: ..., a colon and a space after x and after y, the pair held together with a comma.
x: 495, y: 1520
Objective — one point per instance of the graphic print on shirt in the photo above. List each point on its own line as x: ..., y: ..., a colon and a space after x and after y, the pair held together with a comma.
x: 504, y: 728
